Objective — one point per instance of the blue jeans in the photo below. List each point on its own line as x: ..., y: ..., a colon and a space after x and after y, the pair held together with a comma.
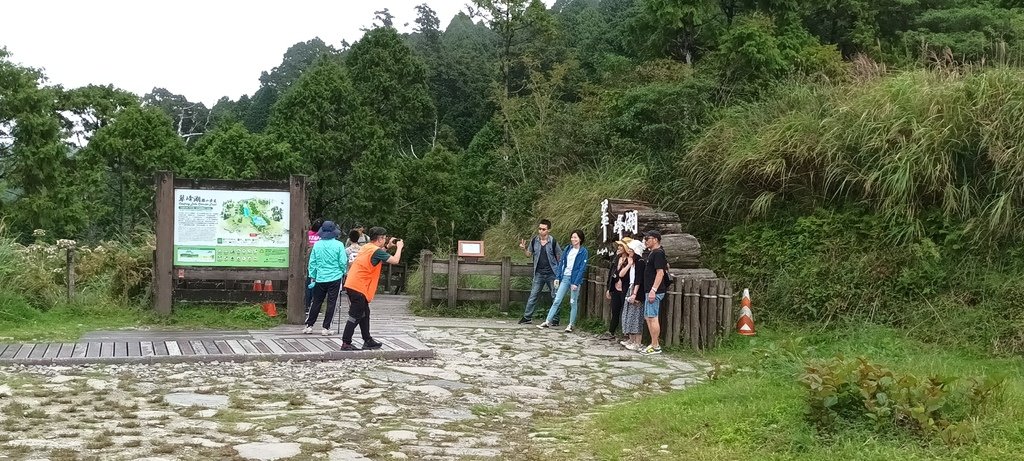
x: 538, y: 283
x: 653, y: 310
x: 564, y: 286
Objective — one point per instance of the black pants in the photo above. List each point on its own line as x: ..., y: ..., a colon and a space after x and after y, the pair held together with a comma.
x: 358, y: 314
x: 618, y: 299
x: 323, y: 290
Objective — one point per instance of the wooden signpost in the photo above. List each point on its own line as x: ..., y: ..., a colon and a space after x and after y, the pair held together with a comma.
x: 221, y: 240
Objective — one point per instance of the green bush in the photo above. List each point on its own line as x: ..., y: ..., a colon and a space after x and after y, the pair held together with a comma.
x: 115, y: 272
x: 856, y: 392
x: 845, y: 267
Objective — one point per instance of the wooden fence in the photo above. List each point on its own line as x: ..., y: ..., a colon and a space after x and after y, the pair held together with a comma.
x: 696, y: 313
x: 452, y: 292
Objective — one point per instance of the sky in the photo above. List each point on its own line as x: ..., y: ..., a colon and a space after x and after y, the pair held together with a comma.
x: 202, y: 49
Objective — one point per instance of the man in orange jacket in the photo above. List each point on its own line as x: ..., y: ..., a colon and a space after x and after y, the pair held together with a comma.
x: 361, y: 284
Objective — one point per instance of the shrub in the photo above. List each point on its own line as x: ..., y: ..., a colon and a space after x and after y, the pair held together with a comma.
x: 855, y: 392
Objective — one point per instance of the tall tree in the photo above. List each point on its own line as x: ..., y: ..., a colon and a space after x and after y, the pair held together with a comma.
x: 321, y: 118
x: 191, y: 119
x: 122, y: 158
x: 232, y: 152
x: 33, y: 158
x: 524, y: 26
x: 392, y: 84
x: 683, y: 31
x: 89, y: 108
x: 461, y: 74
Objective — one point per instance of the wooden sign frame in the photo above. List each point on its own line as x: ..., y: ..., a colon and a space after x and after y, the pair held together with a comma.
x: 165, y: 272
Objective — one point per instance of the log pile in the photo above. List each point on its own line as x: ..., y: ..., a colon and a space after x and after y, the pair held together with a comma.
x: 631, y: 218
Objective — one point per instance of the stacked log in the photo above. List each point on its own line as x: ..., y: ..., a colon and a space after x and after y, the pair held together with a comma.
x: 636, y: 217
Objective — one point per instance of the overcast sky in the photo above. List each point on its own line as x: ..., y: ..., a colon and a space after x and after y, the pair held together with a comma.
x: 203, y: 49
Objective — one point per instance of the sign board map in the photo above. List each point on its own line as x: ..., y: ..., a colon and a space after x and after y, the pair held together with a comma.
x: 220, y: 228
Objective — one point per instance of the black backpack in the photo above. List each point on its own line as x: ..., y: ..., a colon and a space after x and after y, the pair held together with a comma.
x: 668, y: 279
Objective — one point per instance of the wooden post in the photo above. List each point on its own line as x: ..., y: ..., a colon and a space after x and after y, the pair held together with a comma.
x: 387, y: 282
x: 594, y: 303
x: 427, y: 266
x: 453, y: 280
x: 684, y: 311
x: 163, y: 263
x: 605, y: 313
x: 506, y: 282
x: 726, y: 296
x: 713, y: 317
x: 71, y: 273
x: 693, y: 295
x: 677, y: 310
x: 701, y: 315
x: 599, y: 287
x: 297, y: 242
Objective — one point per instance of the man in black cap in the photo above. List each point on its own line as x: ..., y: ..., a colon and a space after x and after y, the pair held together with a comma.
x: 655, y: 271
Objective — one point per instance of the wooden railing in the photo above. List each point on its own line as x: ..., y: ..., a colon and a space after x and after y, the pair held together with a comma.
x: 453, y: 293
x: 696, y: 313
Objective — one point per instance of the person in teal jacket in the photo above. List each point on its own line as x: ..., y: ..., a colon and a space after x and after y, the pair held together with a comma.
x: 570, y: 272
x: 328, y: 263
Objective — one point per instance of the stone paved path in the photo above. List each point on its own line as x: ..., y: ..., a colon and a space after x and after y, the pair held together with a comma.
x: 478, y: 398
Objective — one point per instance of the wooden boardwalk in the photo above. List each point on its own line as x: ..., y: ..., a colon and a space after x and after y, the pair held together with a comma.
x: 391, y: 324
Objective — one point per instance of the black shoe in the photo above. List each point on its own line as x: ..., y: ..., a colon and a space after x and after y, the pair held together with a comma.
x: 371, y: 344
x: 348, y: 347
x: 525, y: 320
x: 554, y: 323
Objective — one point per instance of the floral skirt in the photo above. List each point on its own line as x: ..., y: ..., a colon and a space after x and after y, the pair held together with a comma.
x: 632, y: 318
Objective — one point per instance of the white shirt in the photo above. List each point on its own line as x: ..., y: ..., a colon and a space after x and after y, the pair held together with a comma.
x: 569, y: 260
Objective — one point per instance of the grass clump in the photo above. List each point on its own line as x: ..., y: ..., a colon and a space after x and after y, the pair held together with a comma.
x: 757, y: 408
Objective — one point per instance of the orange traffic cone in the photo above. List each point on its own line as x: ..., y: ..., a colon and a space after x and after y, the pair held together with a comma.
x: 269, y: 306
x: 745, y: 325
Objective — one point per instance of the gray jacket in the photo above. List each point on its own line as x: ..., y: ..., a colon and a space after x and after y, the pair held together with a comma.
x: 552, y: 249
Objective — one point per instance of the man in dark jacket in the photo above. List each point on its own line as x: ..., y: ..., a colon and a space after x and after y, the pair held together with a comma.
x: 545, y: 253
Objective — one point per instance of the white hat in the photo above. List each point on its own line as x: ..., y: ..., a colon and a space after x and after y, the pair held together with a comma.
x: 637, y: 247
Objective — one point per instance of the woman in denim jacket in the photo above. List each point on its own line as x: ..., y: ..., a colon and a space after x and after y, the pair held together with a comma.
x: 570, y: 272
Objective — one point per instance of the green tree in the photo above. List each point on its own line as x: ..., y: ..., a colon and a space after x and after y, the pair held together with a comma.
x: 683, y: 31
x: 435, y: 210
x: 89, y: 108
x: 232, y: 152
x: 122, y: 158
x: 191, y: 119
x: 392, y: 84
x: 526, y: 32
x: 321, y: 119
x: 461, y: 78
x: 34, y: 160
x: 373, y: 191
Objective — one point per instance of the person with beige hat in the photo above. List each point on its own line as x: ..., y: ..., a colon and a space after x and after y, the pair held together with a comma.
x: 615, y: 290
x: 633, y: 309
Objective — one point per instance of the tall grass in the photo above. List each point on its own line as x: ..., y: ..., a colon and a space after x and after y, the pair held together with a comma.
x: 574, y: 202
x: 906, y: 145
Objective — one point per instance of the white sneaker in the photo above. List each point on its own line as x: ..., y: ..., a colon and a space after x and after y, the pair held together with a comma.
x: 568, y: 329
x: 544, y: 325
x: 625, y: 343
x: 307, y: 330
x: 325, y: 332
x: 632, y: 346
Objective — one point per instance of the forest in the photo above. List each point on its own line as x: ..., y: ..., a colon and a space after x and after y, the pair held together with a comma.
x: 845, y: 159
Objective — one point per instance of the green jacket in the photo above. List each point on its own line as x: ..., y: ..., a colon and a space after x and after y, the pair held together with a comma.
x: 328, y: 261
